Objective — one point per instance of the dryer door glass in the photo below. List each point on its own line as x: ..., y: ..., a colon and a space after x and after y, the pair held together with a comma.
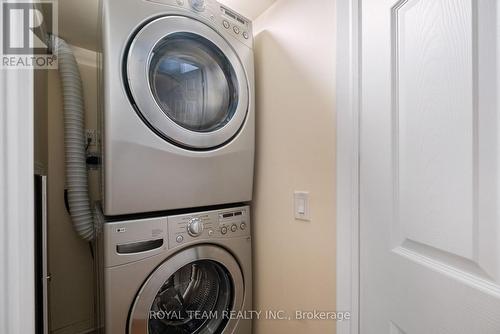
x: 193, y: 82
x: 188, y: 83
x: 195, y: 299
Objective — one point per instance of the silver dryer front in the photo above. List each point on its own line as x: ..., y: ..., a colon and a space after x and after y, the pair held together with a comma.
x: 178, y: 105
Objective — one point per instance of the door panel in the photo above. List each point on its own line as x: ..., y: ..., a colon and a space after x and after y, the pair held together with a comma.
x: 434, y: 131
x: 429, y: 227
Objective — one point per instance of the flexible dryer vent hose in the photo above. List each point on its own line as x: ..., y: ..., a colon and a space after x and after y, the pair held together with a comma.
x: 74, y: 140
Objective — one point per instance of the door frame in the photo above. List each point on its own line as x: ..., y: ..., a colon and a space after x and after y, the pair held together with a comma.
x: 348, y: 155
x: 17, y: 269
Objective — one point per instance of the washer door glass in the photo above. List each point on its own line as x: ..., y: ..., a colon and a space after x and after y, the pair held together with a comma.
x: 193, y: 82
x: 190, y: 292
x: 195, y: 299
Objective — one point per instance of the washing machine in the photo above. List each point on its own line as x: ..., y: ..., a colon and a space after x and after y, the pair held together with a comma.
x: 178, y: 105
x: 185, y: 273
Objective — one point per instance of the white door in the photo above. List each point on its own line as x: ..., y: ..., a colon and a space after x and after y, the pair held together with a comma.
x: 430, y: 167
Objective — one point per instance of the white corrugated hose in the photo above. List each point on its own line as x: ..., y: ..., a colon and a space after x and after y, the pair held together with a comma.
x: 74, y: 140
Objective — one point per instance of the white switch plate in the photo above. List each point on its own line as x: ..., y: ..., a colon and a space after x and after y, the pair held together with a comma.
x: 301, y: 205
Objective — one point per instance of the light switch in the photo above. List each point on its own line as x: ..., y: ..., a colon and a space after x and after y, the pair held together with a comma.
x: 301, y: 204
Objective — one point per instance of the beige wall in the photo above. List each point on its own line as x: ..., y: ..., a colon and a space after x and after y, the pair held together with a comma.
x: 71, y: 294
x: 295, y: 71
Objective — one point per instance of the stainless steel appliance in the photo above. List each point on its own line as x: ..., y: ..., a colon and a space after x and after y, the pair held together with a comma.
x: 184, y: 273
x: 178, y: 122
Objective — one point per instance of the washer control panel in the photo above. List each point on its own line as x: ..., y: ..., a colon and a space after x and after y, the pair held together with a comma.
x: 227, y: 223
x: 131, y: 240
x: 195, y: 227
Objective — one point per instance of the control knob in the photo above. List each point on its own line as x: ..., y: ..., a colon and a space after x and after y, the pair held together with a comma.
x: 198, y: 5
x: 223, y: 230
x: 195, y: 227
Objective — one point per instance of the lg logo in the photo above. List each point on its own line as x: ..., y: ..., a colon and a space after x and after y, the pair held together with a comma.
x: 25, y: 30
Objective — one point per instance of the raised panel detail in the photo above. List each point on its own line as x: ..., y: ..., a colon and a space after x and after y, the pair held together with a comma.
x: 445, y: 133
x: 435, y: 127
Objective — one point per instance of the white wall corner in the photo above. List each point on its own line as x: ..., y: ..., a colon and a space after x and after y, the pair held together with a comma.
x: 17, y: 305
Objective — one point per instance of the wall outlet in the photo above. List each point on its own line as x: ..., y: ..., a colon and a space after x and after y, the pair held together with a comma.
x: 92, y: 137
x: 301, y: 205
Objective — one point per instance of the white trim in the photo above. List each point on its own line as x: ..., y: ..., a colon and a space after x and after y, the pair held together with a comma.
x: 17, y: 291
x: 348, y: 110
x: 45, y: 256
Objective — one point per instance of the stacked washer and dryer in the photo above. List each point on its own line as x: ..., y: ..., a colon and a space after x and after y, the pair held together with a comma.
x: 178, y: 156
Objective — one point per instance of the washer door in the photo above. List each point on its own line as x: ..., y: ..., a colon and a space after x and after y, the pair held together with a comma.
x: 192, y: 292
x: 187, y: 82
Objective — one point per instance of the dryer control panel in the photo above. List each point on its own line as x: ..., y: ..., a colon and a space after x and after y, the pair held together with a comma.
x: 237, y: 26
x: 226, y: 19
x: 227, y: 223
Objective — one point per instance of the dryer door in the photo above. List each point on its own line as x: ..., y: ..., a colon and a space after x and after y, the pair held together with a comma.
x: 187, y: 82
x: 192, y: 292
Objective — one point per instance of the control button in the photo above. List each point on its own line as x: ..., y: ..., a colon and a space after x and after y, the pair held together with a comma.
x: 234, y: 228
x: 236, y: 29
x: 180, y: 2
x: 179, y: 239
x: 198, y: 5
x: 195, y: 227
x: 226, y: 24
x: 243, y: 226
x: 223, y: 230
x: 210, y: 233
x: 245, y: 34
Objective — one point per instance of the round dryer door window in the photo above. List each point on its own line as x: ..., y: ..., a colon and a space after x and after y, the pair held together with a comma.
x: 193, y: 292
x: 193, y: 82
x: 187, y: 82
